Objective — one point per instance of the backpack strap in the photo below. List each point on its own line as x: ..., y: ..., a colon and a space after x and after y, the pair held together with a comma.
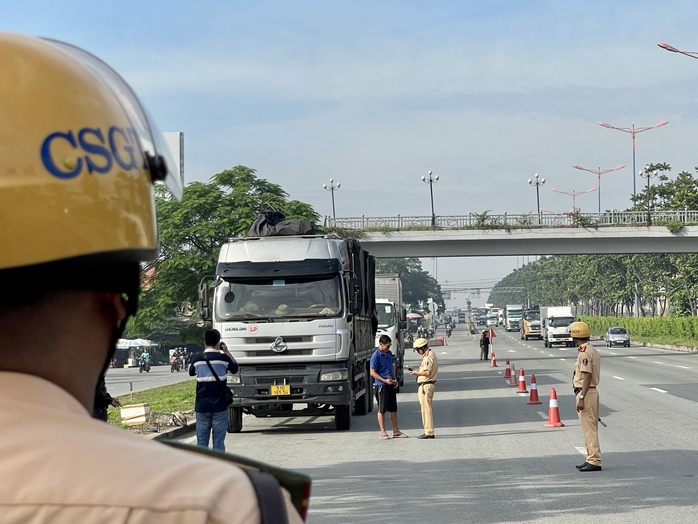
x: 272, y: 509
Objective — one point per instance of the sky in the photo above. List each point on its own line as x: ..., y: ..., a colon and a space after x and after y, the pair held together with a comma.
x: 374, y: 94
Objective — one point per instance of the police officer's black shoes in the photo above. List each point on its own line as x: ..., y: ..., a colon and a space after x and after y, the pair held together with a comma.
x: 581, y: 465
x: 590, y: 467
x: 424, y: 435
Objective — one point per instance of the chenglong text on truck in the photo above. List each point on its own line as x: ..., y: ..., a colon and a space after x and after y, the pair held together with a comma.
x: 298, y: 315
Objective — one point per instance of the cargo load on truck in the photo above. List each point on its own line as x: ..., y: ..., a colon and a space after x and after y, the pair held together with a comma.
x: 298, y: 314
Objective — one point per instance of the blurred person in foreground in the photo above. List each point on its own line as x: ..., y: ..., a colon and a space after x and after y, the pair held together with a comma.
x: 78, y: 160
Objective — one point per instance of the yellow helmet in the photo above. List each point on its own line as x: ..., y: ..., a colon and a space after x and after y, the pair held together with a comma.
x: 78, y: 158
x: 579, y: 330
x: 420, y: 343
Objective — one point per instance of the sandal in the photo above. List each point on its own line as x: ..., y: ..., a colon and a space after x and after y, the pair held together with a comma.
x: 385, y: 436
x: 400, y: 435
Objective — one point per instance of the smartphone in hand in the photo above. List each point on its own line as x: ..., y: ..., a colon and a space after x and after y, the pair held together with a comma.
x: 409, y: 368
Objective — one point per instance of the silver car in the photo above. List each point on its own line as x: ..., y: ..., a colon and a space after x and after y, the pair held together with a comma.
x: 617, y: 336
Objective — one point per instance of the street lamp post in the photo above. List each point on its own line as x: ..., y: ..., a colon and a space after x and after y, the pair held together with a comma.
x: 598, y: 172
x: 430, y: 180
x: 332, y: 187
x: 634, y: 131
x: 535, y: 181
x: 671, y: 48
x: 648, y: 173
x: 574, y: 194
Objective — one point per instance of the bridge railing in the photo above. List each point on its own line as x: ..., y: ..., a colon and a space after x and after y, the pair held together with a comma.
x: 527, y: 220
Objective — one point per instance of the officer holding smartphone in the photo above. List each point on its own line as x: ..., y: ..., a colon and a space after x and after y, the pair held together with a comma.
x: 426, y: 379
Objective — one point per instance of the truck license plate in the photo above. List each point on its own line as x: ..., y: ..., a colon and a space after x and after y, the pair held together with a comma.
x: 281, y: 390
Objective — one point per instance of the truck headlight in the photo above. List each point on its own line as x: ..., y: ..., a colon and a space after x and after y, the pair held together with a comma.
x: 234, y: 379
x: 333, y: 376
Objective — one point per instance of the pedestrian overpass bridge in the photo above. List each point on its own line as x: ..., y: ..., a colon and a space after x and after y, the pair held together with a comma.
x: 469, y: 235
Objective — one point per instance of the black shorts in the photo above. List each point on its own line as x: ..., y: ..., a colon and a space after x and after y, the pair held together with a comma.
x: 386, y: 396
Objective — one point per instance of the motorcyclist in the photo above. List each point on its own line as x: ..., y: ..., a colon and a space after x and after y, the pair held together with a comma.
x: 449, y: 329
x: 145, y: 360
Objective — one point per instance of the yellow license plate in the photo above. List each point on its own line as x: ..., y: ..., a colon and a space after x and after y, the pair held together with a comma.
x: 281, y: 390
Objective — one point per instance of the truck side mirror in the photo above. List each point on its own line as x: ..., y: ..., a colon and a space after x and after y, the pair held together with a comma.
x: 204, y: 301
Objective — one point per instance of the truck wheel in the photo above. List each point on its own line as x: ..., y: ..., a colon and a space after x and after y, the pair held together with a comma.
x: 342, y: 418
x: 234, y: 420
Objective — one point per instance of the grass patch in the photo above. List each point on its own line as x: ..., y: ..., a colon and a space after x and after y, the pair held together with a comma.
x: 164, y: 399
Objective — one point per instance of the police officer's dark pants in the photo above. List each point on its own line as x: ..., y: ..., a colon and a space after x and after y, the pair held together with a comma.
x: 484, y: 352
x: 589, y: 421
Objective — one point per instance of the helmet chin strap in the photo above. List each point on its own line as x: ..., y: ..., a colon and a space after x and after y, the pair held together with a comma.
x: 131, y: 308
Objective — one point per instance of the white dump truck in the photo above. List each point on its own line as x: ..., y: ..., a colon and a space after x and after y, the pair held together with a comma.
x: 298, y: 314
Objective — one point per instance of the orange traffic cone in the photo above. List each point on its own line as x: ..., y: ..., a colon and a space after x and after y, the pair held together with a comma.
x: 513, y: 381
x: 507, y: 369
x: 553, y: 412
x: 494, y: 361
x: 522, y: 382
x: 533, y: 399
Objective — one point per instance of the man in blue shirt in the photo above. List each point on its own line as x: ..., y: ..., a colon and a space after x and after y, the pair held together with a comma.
x: 211, y: 406
x: 383, y: 372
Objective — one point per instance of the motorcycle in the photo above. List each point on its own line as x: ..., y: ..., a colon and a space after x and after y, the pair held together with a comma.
x: 449, y: 329
x: 144, y: 365
x: 175, y: 364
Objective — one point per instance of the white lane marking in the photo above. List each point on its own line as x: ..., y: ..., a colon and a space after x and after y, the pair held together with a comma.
x: 544, y: 416
x: 613, y: 353
x: 660, y: 390
x: 552, y: 355
x: 582, y: 450
x: 657, y: 362
x: 632, y: 357
x: 561, y: 359
x: 618, y: 378
x: 683, y: 367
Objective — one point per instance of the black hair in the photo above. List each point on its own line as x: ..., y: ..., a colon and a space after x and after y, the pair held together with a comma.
x: 212, y: 337
x: 385, y: 339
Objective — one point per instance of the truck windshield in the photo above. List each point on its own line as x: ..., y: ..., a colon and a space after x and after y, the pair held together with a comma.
x: 386, y: 315
x: 273, y: 299
x: 561, y: 321
x: 533, y: 315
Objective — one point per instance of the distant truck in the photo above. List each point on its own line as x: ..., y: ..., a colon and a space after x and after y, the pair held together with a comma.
x: 496, y: 311
x: 298, y: 314
x: 555, y: 322
x: 392, y: 318
x: 530, y: 326
x: 513, y: 315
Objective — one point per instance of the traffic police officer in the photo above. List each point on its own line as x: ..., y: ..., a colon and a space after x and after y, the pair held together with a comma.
x: 426, y: 378
x: 587, y: 373
x: 78, y: 160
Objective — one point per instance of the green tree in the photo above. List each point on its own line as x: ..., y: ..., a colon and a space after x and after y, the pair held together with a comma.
x: 191, y: 234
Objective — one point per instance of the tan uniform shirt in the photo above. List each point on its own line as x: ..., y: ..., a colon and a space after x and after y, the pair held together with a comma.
x: 59, y: 465
x: 588, y: 360
x: 430, y: 364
